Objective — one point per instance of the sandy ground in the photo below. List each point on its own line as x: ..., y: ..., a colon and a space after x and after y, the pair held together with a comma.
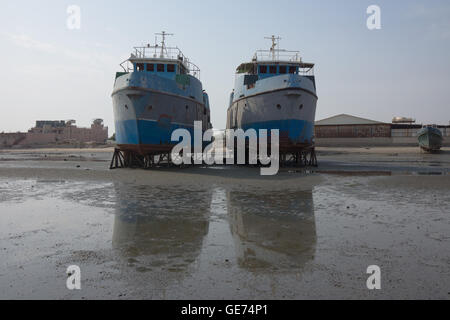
x: 225, y: 232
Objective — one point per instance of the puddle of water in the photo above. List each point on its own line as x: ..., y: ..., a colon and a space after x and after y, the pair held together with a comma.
x: 361, y: 173
x: 220, y: 242
x: 356, y: 173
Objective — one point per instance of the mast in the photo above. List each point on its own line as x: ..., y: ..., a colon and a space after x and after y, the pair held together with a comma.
x: 163, y: 41
x: 274, y: 44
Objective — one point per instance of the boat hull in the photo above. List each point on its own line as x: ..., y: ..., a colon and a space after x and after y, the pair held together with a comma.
x: 291, y: 110
x: 430, y: 139
x: 145, y: 119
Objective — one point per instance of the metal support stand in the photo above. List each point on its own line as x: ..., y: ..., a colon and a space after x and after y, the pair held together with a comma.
x: 117, y: 160
x: 132, y: 159
x: 129, y: 159
x: 301, y: 158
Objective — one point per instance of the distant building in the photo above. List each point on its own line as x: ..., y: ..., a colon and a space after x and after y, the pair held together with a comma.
x: 50, y: 124
x: 47, y: 132
x: 347, y: 126
x: 348, y: 130
x: 411, y: 129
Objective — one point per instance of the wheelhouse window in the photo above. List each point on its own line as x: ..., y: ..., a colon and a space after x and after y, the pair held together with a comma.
x: 262, y: 69
x: 273, y: 69
x: 150, y: 67
x: 283, y: 69
x: 139, y: 66
x: 292, y: 69
x: 170, y: 68
x: 160, y: 67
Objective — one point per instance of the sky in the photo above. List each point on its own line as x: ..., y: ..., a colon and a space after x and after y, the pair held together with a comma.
x: 51, y: 72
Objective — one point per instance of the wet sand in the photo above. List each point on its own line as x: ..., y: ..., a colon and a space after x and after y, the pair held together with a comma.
x: 225, y: 232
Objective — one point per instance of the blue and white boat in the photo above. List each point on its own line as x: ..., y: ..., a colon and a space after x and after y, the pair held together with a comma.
x: 276, y: 90
x: 158, y: 92
x: 430, y: 138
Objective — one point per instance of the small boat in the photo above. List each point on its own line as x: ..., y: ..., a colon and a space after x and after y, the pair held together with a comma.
x: 430, y: 138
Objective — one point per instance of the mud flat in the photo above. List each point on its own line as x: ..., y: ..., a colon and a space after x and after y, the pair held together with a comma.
x: 225, y: 232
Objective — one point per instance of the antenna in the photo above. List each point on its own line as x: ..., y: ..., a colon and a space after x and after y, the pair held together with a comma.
x: 163, y: 41
x: 274, y: 44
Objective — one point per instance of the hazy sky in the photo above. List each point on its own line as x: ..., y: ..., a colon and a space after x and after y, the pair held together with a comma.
x: 51, y: 72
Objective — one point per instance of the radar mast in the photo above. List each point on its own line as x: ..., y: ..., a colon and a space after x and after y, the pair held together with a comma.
x: 274, y: 45
x: 163, y: 34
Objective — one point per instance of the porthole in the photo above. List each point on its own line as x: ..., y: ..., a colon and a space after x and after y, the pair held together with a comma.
x: 126, y: 107
x: 278, y: 106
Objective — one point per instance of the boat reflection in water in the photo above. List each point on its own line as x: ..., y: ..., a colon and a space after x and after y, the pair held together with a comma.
x: 272, y: 231
x: 159, y: 228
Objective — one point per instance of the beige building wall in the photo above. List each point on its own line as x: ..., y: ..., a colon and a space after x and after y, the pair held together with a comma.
x: 11, y: 139
x: 97, y: 133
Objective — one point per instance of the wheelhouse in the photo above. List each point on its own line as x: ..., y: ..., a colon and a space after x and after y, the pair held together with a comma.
x: 277, y: 69
x: 265, y: 69
x: 158, y: 66
x: 160, y: 60
x: 275, y: 62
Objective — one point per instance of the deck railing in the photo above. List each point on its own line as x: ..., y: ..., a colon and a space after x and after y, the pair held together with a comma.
x: 161, y: 53
x: 278, y: 55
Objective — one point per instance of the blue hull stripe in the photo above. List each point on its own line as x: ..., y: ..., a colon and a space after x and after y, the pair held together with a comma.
x: 151, y: 132
x: 147, y: 132
x: 299, y: 131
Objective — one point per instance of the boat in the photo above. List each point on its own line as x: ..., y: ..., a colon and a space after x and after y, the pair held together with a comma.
x: 158, y: 91
x: 276, y: 90
x: 430, y: 138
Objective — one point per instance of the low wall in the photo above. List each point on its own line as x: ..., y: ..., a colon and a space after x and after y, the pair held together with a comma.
x: 352, y: 142
x: 408, y: 141
x: 370, y: 142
